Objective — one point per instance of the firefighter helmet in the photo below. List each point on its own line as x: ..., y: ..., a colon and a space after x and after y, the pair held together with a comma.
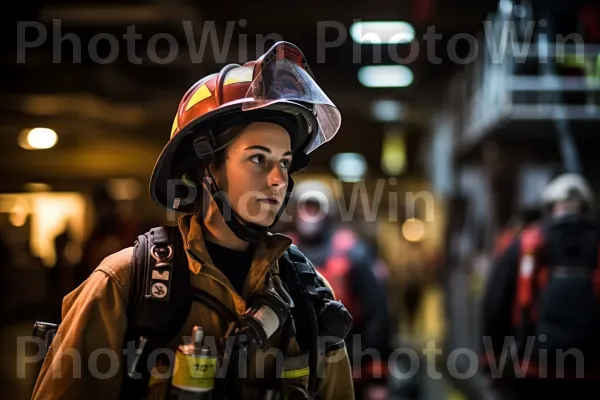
x: 278, y: 87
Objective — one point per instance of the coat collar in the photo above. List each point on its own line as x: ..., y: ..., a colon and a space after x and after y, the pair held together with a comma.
x: 267, y: 252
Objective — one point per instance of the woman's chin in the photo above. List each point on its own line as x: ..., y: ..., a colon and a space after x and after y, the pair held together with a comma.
x: 262, y: 216
x: 263, y: 220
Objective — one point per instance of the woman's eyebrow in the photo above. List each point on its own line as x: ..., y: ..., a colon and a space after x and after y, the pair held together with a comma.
x: 259, y: 147
x: 266, y: 149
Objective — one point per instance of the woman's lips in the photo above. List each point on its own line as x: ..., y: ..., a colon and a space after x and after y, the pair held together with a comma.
x: 271, y: 201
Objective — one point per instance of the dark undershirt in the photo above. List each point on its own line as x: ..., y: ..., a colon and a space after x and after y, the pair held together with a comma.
x: 233, y: 263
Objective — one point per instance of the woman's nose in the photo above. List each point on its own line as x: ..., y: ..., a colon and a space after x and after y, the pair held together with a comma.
x: 277, y: 177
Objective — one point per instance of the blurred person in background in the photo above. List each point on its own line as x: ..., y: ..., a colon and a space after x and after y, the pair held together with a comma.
x: 61, y: 273
x: 110, y: 234
x: 543, y: 300
x: 357, y: 276
x: 521, y: 220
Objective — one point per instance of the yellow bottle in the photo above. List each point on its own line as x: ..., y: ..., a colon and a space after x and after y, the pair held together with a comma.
x: 194, y: 370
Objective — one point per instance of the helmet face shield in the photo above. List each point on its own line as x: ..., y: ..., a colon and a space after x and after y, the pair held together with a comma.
x: 282, y: 75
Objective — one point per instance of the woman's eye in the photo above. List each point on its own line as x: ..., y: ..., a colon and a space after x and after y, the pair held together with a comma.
x: 286, y: 164
x: 258, y: 159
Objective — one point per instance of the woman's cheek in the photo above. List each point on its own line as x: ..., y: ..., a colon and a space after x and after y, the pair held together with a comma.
x: 245, y: 201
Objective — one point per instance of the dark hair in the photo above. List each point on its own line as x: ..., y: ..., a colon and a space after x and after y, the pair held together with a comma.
x: 223, y: 139
x: 219, y: 158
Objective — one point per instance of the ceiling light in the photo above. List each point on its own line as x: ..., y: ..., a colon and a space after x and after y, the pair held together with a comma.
x: 349, y: 167
x: 382, y: 32
x: 381, y: 76
x: 388, y: 110
x: 37, y: 139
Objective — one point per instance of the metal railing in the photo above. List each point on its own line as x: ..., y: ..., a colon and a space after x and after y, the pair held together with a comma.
x: 522, y: 75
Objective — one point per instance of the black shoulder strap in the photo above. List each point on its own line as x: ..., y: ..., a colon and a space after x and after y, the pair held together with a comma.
x: 307, y: 290
x: 159, y: 303
x: 160, y: 296
x: 307, y: 274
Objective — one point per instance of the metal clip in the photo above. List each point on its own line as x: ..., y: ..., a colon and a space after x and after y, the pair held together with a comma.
x: 139, y: 350
x: 157, y: 253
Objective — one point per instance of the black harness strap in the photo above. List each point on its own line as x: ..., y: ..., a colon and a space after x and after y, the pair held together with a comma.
x: 160, y: 292
x: 308, y: 289
x: 159, y: 302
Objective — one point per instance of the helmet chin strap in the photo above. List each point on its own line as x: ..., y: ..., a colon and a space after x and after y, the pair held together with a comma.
x: 247, y: 231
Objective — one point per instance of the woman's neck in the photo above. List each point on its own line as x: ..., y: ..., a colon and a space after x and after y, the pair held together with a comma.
x: 216, y: 230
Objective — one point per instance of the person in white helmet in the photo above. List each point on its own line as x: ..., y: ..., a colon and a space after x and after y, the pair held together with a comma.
x: 543, y: 300
x: 568, y: 193
x: 357, y: 276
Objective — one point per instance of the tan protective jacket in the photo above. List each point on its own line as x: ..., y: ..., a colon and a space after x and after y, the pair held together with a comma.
x: 86, y: 359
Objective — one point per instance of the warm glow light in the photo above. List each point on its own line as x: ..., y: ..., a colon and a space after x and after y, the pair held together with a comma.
x: 393, y: 157
x: 37, y: 187
x: 38, y: 139
x: 49, y: 213
x: 19, y: 212
x: 413, y: 230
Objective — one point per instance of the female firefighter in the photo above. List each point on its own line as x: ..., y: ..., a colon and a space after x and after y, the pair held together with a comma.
x: 237, y: 137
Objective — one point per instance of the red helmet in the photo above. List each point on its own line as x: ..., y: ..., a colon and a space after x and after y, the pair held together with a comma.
x: 279, y: 87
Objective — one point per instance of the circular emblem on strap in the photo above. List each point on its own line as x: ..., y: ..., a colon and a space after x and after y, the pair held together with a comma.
x: 159, y: 290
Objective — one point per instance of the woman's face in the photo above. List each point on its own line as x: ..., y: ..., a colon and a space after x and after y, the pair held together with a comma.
x: 254, y: 174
